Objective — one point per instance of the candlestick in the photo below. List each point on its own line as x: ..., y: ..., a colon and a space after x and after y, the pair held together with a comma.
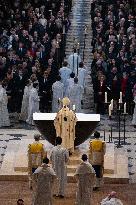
x: 74, y: 107
x: 110, y: 110
x: 120, y: 97
x: 125, y: 108
x: 105, y: 97
x: 112, y: 104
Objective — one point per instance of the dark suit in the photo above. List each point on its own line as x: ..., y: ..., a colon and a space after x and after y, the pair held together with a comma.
x: 45, y: 94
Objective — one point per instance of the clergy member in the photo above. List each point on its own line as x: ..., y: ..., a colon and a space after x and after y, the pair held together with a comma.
x: 33, y: 103
x: 57, y: 90
x: 36, y: 153
x: 134, y: 114
x: 65, y: 73
x: 65, y: 122
x: 4, y: 115
x: 73, y: 60
x: 75, y: 94
x: 59, y: 159
x: 111, y: 199
x: 85, y: 175
x: 96, y: 157
x: 43, y: 178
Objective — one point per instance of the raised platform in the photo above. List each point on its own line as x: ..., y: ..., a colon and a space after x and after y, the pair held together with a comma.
x: 14, y: 166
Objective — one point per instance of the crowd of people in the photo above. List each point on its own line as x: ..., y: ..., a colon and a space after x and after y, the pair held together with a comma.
x: 114, y: 52
x: 32, y: 34
x: 33, y: 76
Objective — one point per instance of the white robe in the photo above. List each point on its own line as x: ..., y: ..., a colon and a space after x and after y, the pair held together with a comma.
x: 57, y: 89
x: 112, y: 201
x: 81, y: 76
x: 85, y: 175
x: 69, y: 83
x: 59, y: 158
x: 43, y: 179
x: 4, y: 115
x: 134, y: 114
x: 64, y: 74
x: 72, y: 61
x: 75, y: 94
x: 25, y: 103
x: 33, y: 105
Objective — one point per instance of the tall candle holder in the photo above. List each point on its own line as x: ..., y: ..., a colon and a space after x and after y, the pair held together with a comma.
x: 119, y: 122
x: 85, y: 33
x: 124, y: 130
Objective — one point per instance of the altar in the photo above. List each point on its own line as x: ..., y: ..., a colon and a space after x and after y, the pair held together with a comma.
x: 86, y: 125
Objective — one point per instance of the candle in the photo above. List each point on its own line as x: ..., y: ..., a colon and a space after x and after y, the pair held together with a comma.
x: 120, y: 97
x: 105, y: 97
x: 110, y: 110
x: 78, y: 46
x: 112, y: 104
x: 74, y: 107
x: 125, y: 108
x: 119, y: 103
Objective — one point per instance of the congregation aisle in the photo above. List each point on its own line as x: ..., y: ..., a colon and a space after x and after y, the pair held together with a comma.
x: 80, y: 18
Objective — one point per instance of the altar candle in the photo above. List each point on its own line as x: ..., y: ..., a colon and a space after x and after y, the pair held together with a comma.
x: 74, y: 107
x: 110, y: 110
x: 120, y: 97
x: 119, y: 103
x: 78, y: 46
x: 105, y: 97
x: 112, y: 104
x: 125, y: 108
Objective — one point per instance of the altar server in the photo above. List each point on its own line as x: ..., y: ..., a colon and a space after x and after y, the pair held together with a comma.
x: 36, y: 153
x: 4, y: 115
x: 65, y: 73
x: 43, y: 178
x: 33, y: 103
x: 73, y: 61
x: 75, y: 94
x: 57, y: 90
x: 111, y: 199
x: 65, y: 122
x: 59, y: 159
x: 96, y: 157
x: 85, y: 175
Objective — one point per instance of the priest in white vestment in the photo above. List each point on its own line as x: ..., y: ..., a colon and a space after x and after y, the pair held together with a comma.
x: 73, y: 61
x: 64, y: 73
x: 25, y: 102
x: 4, y: 115
x: 69, y: 83
x: 65, y: 122
x: 43, y: 180
x: 85, y: 175
x: 57, y: 94
x: 111, y: 199
x: 33, y: 103
x: 134, y: 114
x: 59, y: 158
x: 82, y: 73
x: 75, y: 94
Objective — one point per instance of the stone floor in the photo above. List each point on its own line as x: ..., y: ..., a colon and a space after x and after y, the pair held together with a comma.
x: 11, y: 191
x: 7, y: 135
